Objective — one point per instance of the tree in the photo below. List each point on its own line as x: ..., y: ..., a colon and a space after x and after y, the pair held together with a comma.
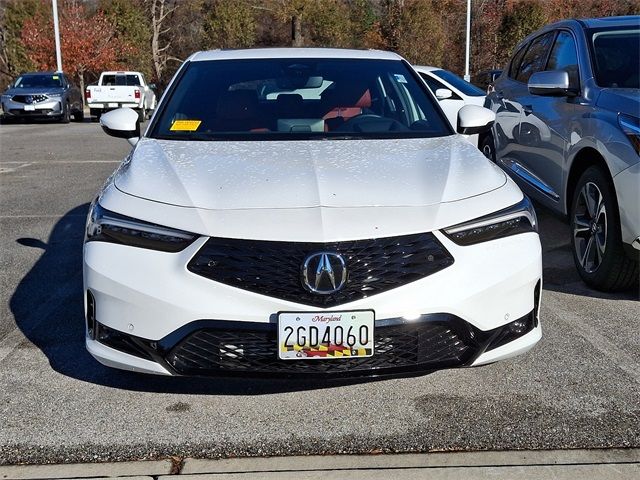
x: 160, y: 11
x: 523, y: 18
x: 88, y: 43
x: 229, y: 25
x: 131, y: 27
x: 329, y: 24
x: 13, y: 55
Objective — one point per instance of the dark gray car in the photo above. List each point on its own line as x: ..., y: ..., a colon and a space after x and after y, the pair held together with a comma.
x: 568, y: 131
x: 43, y: 95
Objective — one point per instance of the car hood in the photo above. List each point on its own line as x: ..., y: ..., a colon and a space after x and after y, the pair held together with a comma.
x: 303, y: 174
x: 623, y: 100
x: 34, y: 91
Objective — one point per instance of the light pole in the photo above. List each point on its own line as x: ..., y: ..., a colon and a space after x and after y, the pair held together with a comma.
x: 56, y: 30
x: 467, y: 77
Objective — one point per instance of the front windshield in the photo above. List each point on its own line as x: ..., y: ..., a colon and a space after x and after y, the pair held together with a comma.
x: 38, y: 81
x: 459, y: 83
x: 616, y: 57
x: 269, y: 99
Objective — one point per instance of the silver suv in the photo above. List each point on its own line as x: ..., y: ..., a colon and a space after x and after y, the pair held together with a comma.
x: 568, y: 131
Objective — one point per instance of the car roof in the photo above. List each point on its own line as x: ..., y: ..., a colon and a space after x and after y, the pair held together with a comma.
x: 582, y: 23
x: 40, y: 73
x: 625, y: 21
x: 256, y: 53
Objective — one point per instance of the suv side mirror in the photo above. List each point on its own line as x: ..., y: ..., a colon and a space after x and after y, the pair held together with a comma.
x: 121, y: 123
x: 550, y: 83
x: 474, y: 119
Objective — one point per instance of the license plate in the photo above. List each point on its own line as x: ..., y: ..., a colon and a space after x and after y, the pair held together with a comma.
x: 113, y: 105
x: 326, y: 335
x: 29, y: 108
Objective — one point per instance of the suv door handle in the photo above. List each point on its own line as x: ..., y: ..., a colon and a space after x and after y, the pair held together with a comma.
x: 527, y: 109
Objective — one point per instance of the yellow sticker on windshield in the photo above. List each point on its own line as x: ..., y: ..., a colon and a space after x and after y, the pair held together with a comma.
x: 185, y: 125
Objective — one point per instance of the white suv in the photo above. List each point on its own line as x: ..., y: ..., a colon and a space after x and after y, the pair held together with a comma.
x: 347, y: 233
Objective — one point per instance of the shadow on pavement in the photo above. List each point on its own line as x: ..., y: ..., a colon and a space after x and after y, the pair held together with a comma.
x: 48, y: 308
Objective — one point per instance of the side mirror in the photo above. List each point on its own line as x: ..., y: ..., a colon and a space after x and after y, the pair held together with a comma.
x: 152, y: 86
x: 550, y: 83
x: 443, y: 93
x: 474, y: 119
x: 121, y: 123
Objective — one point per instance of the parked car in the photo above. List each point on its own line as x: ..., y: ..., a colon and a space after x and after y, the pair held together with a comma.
x: 484, y: 80
x: 351, y: 234
x: 42, y: 95
x: 121, y: 89
x: 453, y: 93
x: 568, y: 131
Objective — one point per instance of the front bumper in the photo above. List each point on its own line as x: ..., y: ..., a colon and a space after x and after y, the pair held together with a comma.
x: 627, y: 184
x: 47, y: 108
x: 148, y: 310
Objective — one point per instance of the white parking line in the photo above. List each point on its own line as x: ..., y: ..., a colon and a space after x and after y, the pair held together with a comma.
x: 61, y: 161
x: 9, y: 170
x: 44, y: 216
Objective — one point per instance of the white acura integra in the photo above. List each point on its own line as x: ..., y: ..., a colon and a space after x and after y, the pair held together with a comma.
x: 302, y: 212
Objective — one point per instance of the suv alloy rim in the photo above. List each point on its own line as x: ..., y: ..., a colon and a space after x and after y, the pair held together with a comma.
x: 590, y: 227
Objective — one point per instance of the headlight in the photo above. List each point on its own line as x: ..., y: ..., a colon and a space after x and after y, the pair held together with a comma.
x: 631, y: 128
x: 106, y: 226
x: 519, y: 218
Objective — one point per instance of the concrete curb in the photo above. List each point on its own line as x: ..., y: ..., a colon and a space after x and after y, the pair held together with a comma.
x: 602, y: 464
x: 413, y: 460
x: 133, y: 470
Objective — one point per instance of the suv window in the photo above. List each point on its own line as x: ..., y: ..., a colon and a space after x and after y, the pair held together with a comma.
x: 515, y: 63
x: 616, y: 51
x: 535, y: 58
x: 564, y: 57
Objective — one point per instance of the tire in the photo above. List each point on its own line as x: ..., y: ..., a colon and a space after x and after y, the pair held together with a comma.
x: 596, y: 237
x: 78, y: 116
x: 141, y: 114
x: 66, y: 114
x: 488, y: 147
x: 95, y: 114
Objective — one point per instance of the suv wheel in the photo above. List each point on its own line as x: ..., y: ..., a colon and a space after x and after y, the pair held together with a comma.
x: 596, y: 238
x: 66, y: 113
x: 487, y: 147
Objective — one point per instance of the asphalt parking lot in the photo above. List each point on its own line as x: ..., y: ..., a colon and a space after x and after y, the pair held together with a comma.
x: 579, y: 388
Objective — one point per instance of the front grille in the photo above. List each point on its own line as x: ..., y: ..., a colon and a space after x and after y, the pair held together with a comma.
x: 274, y: 268
x: 28, y: 99
x: 404, y: 347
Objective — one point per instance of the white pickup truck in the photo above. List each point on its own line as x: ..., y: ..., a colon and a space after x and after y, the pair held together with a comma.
x: 121, y: 89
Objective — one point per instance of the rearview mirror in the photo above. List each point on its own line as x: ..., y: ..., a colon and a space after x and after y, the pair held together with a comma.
x: 443, y: 93
x: 474, y: 119
x: 121, y: 123
x: 550, y: 83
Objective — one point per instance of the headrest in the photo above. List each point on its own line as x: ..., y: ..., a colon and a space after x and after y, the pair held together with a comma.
x: 289, y: 104
x: 352, y: 94
x: 237, y: 105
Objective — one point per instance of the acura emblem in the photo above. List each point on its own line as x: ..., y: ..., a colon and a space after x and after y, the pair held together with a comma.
x: 324, y: 273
